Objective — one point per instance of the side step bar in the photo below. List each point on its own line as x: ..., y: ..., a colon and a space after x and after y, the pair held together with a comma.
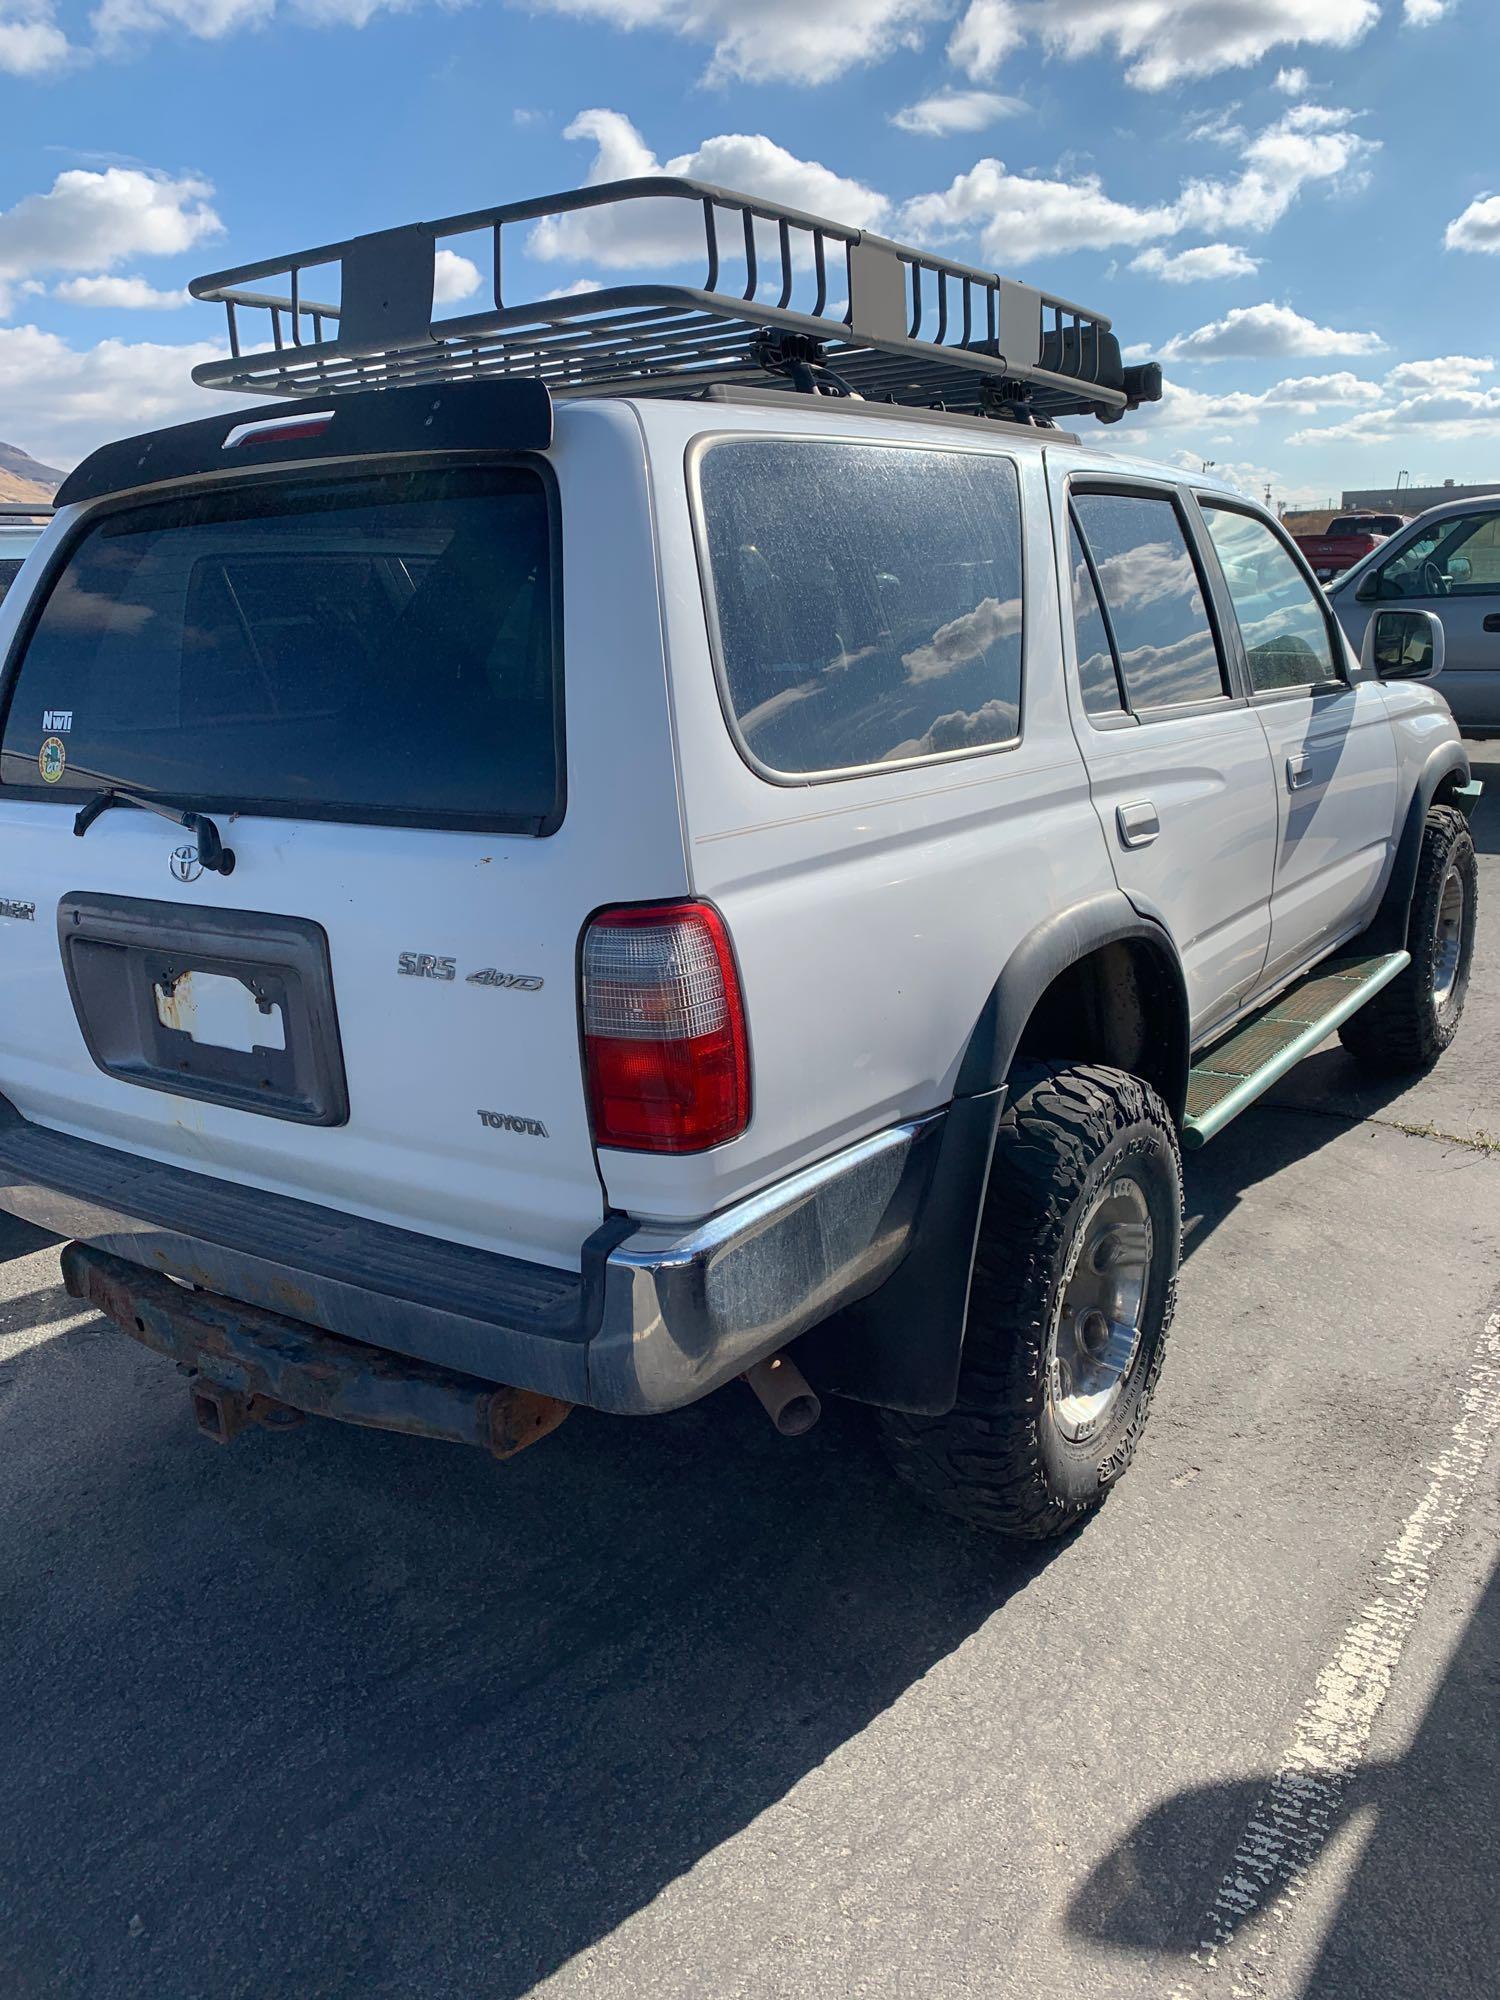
x: 1262, y: 1049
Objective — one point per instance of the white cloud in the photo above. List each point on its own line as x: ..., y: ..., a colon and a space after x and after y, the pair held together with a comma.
x: 1444, y: 371
x: 1453, y: 416
x: 453, y: 278
x: 1290, y: 82
x: 667, y: 231
x: 1478, y: 228
x: 1182, y: 408
x: 948, y: 111
x: 1161, y: 41
x: 1307, y: 144
x: 1264, y: 332
x: 987, y: 34
x: 1190, y: 267
x: 119, y: 23
x: 31, y: 43
x: 1018, y: 217
x: 123, y: 294
x: 69, y: 399
x: 88, y: 221
x: 1422, y: 13
x: 794, y: 41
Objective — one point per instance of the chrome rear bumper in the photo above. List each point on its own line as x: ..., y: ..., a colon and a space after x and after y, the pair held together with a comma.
x: 658, y: 1316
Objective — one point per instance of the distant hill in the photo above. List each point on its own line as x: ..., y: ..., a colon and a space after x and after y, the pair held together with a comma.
x: 23, y: 478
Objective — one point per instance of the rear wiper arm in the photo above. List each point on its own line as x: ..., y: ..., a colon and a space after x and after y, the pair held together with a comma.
x: 214, y: 855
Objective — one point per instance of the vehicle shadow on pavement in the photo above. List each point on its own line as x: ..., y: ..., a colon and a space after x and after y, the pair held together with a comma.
x: 1484, y: 761
x: 1418, y: 1916
x: 338, y: 1712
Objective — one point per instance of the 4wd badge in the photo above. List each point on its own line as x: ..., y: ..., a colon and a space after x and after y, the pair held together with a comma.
x: 52, y: 759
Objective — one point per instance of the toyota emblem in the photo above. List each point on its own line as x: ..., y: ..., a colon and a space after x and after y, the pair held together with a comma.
x: 185, y: 864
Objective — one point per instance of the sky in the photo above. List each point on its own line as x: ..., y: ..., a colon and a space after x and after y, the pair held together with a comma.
x: 1293, y: 204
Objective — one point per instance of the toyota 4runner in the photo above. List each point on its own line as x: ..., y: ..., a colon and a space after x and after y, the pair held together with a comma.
x: 609, y: 844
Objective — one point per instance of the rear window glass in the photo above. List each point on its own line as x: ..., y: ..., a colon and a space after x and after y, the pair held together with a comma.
x: 10, y: 569
x: 376, y: 647
x: 868, y: 600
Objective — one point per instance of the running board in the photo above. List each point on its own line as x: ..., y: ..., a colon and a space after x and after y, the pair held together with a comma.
x: 1261, y: 1050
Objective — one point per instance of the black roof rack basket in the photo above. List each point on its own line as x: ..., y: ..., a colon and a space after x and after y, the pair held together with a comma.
x: 809, y: 302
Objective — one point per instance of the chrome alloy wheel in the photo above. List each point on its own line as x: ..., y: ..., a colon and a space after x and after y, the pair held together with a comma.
x: 1449, y: 944
x: 1096, y: 1329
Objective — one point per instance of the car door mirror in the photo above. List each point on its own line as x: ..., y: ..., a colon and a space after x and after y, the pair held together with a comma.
x: 1403, y: 646
x: 1460, y: 569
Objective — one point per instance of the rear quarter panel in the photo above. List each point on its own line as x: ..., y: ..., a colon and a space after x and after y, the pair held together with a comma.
x: 871, y: 915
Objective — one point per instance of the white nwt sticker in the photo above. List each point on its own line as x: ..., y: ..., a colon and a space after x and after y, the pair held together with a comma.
x: 58, y: 721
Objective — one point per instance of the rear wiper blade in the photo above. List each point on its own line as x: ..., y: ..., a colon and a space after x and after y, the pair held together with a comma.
x: 212, y: 852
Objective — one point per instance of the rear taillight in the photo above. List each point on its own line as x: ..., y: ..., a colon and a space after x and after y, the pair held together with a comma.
x: 664, y: 1030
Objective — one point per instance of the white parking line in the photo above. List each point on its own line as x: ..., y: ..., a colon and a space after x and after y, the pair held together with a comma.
x: 1295, y: 1814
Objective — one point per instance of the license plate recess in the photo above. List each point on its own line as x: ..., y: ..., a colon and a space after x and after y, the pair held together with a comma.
x: 131, y: 963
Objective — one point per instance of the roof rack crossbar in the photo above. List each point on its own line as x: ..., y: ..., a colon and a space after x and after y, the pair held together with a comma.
x: 951, y: 340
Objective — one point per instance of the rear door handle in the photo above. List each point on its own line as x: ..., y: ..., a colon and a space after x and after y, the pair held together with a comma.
x: 1138, y: 822
x: 1492, y: 621
x: 1299, y: 772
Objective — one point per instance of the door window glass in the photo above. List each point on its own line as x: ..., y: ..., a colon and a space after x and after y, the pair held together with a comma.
x: 1096, y: 656
x: 868, y: 599
x: 1281, y: 621
x: 1151, y: 590
x: 1454, y: 558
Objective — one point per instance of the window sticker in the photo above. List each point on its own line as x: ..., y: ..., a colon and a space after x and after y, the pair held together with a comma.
x: 52, y: 760
x: 58, y: 719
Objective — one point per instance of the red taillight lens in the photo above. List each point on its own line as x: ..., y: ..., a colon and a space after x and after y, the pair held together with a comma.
x: 664, y: 1030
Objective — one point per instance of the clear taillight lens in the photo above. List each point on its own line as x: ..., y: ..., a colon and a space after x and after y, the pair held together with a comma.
x: 664, y: 1030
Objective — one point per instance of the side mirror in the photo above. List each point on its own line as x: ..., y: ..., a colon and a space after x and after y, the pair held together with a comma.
x: 1403, y: 646
x: 1460, y: 569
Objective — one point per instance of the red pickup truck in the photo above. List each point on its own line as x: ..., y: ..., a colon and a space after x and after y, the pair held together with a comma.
x: 1346, y: 538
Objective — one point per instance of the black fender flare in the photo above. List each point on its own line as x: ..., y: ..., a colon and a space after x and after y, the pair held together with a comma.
x: 1387, y: 930
x: 1059, y: 941
x: 900, y: 1348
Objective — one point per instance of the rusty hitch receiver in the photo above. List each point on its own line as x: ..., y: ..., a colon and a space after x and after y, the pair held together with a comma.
x: 252, y: 1367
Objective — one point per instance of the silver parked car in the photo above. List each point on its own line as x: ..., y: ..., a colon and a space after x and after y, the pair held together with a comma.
x: 1446, y: 561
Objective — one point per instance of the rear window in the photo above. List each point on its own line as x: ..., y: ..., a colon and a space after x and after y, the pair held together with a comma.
x: 10, y: 569
x: 378, y: 647
x: 868, y: 600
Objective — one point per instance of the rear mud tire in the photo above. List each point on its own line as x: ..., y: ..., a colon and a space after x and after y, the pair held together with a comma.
x: 1409, y: 1023
x: 1073, y: 1135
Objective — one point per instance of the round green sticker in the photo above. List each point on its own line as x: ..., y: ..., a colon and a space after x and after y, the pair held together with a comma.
x: 52, y: 759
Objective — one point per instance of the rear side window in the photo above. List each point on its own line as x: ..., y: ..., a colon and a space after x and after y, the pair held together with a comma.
x: 10, y: 569
x: 1282, y: 623
x: 1151, y: 591
x: 378, y: 647
x: 1096, y: 661
x: 868, y: 600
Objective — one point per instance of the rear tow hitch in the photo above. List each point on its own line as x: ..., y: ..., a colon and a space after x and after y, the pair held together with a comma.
x: 251, y: 1368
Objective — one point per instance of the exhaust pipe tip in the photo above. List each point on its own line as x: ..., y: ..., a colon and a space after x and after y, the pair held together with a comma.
x: 785, y: 1395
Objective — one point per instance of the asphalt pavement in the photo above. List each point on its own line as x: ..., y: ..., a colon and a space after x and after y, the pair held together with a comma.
x: 680, y: 1709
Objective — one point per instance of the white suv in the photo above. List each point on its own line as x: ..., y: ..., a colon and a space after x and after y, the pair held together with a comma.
x: 664, y: 879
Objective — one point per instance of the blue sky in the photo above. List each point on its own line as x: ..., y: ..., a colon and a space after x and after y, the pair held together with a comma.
x: 1296, y: 203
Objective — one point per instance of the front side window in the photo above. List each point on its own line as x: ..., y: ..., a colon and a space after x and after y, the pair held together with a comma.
x: 1281, y: 621
x: 1456, y: 558
x: 367, y: 647
x: 1149, y: 583
x: 868, y: 600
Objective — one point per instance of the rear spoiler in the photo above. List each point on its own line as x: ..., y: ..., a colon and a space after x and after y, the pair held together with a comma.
x: 445, y: 416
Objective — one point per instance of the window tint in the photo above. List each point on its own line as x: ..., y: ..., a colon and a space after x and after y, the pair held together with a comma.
x: 355, y: 647
x: 1453, y: 558
x: 868, y: 598
x: 1150, y: 587
x: 1282, y: 622
x: 9, y: 571
x: 1096, y: 658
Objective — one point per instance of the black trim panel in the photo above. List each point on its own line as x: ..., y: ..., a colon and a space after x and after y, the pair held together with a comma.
x: 454, y: 416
